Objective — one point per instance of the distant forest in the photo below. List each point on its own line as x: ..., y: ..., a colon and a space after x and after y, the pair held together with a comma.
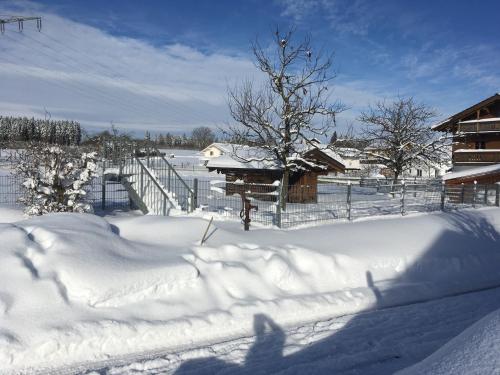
x: 26, y: 129
x: 200, y: 138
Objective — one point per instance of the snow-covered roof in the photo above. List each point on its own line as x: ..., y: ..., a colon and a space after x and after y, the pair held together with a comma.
x: 492, y: 119
x: 474, y: 172
x: 224, y: 147
x: 244, y: 157
x: 440, y: 123
x: 473, y: 150
x: 251, y: 157
x: 325, y: 149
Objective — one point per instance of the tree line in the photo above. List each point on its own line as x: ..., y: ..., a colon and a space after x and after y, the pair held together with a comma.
x: 199, y: 138
x: 25, y: 129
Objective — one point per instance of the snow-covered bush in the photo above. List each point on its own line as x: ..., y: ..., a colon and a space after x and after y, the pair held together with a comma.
x: 55, y: 178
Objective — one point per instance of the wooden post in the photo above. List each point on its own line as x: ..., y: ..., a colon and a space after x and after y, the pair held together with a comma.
x: 378, y: 185
x: 414, y: 187
x: 349, y: 201
x: 462, y: 194
x: 164, y: 205
x: 206, y: 230
x: 194, y: 198
x: 443, y: 195
x: 486, y: 194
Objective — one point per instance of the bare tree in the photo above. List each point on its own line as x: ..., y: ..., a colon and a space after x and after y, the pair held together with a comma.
x: 399, y: 135
x: 292, y: 106
x: 202, y: 137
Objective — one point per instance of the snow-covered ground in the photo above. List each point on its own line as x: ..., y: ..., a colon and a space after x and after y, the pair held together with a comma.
x: 77, y: 288
x: 371, y: 343
x: 474, y: 351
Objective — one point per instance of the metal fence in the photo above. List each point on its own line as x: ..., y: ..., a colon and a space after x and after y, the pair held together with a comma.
x: 115, y: 197
x: 307, y: 204
x: 329, y: 202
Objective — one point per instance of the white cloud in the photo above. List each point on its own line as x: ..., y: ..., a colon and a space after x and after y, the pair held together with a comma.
x: 80, y: 72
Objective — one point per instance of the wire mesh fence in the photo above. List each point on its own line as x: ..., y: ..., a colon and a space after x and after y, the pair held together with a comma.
x: 225, y: 199
x: 326, y: 202
x: 306, y: 204
x: 10, y: 190
x: 115, y: 197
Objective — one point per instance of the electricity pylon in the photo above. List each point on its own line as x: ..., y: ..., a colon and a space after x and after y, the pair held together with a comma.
x: 20, y: 22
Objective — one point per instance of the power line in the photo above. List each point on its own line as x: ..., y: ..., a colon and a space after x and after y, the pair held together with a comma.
x: 133, y: 107
x: 111, y: 69
x: 178, y: 109
x: 20, y: 22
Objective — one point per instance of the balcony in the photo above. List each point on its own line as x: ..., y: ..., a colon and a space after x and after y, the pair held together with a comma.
x: 488, y: 156
x: 479, y: 126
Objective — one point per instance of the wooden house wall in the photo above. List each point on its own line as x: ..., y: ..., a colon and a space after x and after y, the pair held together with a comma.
x: 303, y: 187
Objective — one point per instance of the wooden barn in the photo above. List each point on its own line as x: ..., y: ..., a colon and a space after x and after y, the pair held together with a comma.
x: 251, y: 165
x: 476, y: 143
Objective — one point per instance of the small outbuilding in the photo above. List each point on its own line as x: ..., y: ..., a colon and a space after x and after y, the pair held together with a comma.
x: 252, y: 169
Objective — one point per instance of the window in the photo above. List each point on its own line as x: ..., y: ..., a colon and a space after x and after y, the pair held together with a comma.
x: 419, y: 173
x: 211, y: 153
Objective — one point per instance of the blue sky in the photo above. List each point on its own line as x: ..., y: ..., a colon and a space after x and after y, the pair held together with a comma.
x: 166, y: 65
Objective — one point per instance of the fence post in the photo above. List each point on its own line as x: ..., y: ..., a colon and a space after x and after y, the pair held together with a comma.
x: 103, y: 193
x: 497, y: 194
x: 147, y: 156
x: 277, y: 216
x: 474, y: 192
x: 194, y: 198
x: 403, y: 193
x: 169, y: 178
x: 349, y: 200
x: 378, y: 185
x: 415, y: 187
x: 164, y: 205
x: 142, y: 181
x: 103, y: 188
x: 443, y: 195
x: 485, y: 194
x: 462, y: 194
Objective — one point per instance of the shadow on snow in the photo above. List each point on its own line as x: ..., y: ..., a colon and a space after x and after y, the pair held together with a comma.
x: 370, y: 343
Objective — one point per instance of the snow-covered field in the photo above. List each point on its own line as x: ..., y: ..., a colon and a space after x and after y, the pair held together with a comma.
x: 77, y: 288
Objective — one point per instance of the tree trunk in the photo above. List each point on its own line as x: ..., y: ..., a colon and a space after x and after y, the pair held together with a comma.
x: 396, y: 176
x: 284, y: 188
x: 394, y: 182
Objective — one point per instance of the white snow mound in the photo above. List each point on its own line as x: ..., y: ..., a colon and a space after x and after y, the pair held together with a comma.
x: 475, y: 351
x: 92, y: 265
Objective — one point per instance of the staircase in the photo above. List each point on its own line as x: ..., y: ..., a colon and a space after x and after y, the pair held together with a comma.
x: 155, y: 186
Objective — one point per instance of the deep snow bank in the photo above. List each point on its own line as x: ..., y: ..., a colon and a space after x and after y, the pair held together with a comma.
x: 92, y: 265
x: 474, y: 351
x: 75, y: 288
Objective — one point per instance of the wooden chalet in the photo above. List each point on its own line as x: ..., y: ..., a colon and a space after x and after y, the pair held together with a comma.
x: 252, y: 170
x: 476, y: 142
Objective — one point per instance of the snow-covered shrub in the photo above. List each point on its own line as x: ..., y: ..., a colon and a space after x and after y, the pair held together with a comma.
x: 55, y: 178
